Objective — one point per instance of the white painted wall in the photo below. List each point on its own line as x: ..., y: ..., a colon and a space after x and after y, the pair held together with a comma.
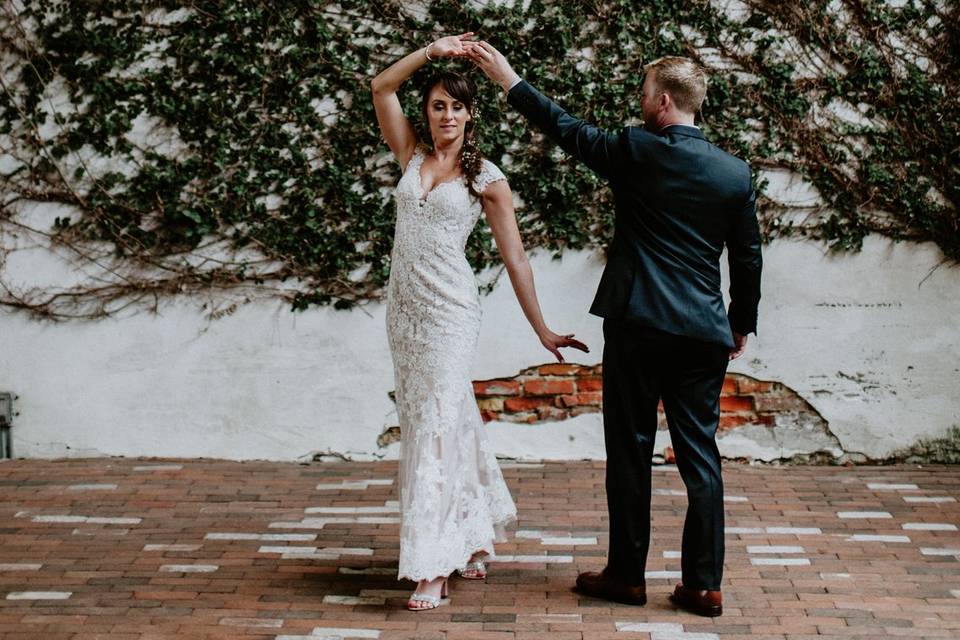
x: 870, y: 339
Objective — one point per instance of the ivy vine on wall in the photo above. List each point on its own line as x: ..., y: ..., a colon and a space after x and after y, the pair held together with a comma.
x: 230, y: 147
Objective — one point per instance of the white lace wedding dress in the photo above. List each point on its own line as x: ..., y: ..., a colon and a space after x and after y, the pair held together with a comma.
x: 453, y: 499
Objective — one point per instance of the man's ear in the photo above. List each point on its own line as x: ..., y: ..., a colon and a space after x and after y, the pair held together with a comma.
x: 666, y: 102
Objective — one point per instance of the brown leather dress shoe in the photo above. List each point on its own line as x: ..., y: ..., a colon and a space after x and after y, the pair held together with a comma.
x: 702, y: 603
x: 600, y: 585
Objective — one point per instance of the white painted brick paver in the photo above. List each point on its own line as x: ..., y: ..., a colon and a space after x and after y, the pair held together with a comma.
x: 285, y: 549
x: 662, y: 575
x: 884, y: 486
x: 100, y: 533
x: 664, y: 631
x: 354, y: 600
x: 774, y: 549
x: 355, y: 484
x: 39, y: 595
x: 70, y: 519
x: 290, y: 550
x: 63, y: 519
x: 929, y: 499
x: 929, y: 526
x: 92, y: 487
x: 320, y: 523
x: 869, y: 537
x: 736, y: 499
x: 275, y: 537
x: 158, y: 467
x: 835, y: 576
x: 532, y: 559
x: 331, y: 633
x: 345, y: 633
x: 781, y: 562
x: 672, y: 554
x: 189, y: 568
x: 384, y: 509
x: 650, y: 627
x: 849, y: 515
x: 549, y: 618
x: 934, y: 551
x: 255, y: 623
x: 171, y: 547
x: 20, y: 566
x: 742, y: 530
x: 797, y: 531
x: 347, y: 551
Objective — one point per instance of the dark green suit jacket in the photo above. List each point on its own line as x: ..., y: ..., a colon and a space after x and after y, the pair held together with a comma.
x: 679, y: 201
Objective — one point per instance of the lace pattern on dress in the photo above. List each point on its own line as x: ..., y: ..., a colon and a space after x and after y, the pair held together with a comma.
x: 453, y: 499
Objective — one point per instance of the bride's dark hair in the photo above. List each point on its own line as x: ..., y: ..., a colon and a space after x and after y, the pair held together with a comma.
x: 460, y: 88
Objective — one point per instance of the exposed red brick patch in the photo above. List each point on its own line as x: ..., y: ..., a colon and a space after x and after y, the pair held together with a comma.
x: 548, y: 387
x: 581, y: 398
x: 559, y: 369
x: 736, y: 404
x: 551, y: 392
x: 514, y: 405
x: 590, y: 383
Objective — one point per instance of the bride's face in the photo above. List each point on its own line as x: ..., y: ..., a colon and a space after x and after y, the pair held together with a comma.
x: 447, y: 116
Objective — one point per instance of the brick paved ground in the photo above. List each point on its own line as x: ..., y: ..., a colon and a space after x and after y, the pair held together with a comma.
x: 121, y: 548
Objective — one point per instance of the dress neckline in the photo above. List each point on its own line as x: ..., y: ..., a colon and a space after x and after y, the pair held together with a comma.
x: 424, y: 196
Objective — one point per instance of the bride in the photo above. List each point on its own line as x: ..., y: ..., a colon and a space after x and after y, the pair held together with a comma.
x: 454, y: 501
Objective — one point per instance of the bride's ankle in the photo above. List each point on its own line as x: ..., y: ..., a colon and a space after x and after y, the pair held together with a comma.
x: 423, y: 585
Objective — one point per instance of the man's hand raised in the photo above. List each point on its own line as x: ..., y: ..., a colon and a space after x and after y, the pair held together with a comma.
x: 493, y: 64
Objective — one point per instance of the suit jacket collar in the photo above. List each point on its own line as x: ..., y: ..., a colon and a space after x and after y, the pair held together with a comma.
x: 682, y: 130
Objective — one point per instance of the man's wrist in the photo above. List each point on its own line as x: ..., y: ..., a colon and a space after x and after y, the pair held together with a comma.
x: 511, y: 81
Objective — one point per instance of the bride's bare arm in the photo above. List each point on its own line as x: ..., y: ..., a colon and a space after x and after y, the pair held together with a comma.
x: 498, y: 207
x: 396, y: 128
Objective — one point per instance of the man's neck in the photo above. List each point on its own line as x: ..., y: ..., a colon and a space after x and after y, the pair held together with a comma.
x: 684, y: 121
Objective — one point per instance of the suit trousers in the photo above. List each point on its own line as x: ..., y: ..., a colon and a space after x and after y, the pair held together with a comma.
x: 642, y: 366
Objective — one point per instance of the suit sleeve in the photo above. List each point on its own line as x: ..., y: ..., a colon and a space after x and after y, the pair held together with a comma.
x: 600, y: 150
x: 743, y: 254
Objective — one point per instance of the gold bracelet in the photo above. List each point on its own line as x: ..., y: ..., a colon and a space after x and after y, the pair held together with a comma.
x: 426, y: 53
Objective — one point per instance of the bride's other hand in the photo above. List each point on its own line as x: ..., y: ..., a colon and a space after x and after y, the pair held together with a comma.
x: 554, y: 343
x: 450, y: 46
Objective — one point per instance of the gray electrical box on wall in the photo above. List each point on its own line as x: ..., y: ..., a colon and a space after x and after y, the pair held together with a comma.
x: 6, y: 421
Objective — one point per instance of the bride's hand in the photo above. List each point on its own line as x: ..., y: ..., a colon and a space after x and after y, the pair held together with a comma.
x: 450, y: 46
x: 554, y: 343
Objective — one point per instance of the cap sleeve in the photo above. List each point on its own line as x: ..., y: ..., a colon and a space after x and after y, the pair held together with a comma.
x: 489, y: 173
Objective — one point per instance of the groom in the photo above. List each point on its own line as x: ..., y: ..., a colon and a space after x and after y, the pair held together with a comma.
x: 679, y: 201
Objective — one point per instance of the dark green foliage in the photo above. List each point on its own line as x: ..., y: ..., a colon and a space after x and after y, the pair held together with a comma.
x: 273, y: 99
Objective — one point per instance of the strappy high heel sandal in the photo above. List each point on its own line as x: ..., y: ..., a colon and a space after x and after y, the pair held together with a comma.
x: 431, y: 602
x: 478, y: 569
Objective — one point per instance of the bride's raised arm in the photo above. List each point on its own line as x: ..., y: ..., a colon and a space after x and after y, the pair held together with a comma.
x: 396, y: 128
